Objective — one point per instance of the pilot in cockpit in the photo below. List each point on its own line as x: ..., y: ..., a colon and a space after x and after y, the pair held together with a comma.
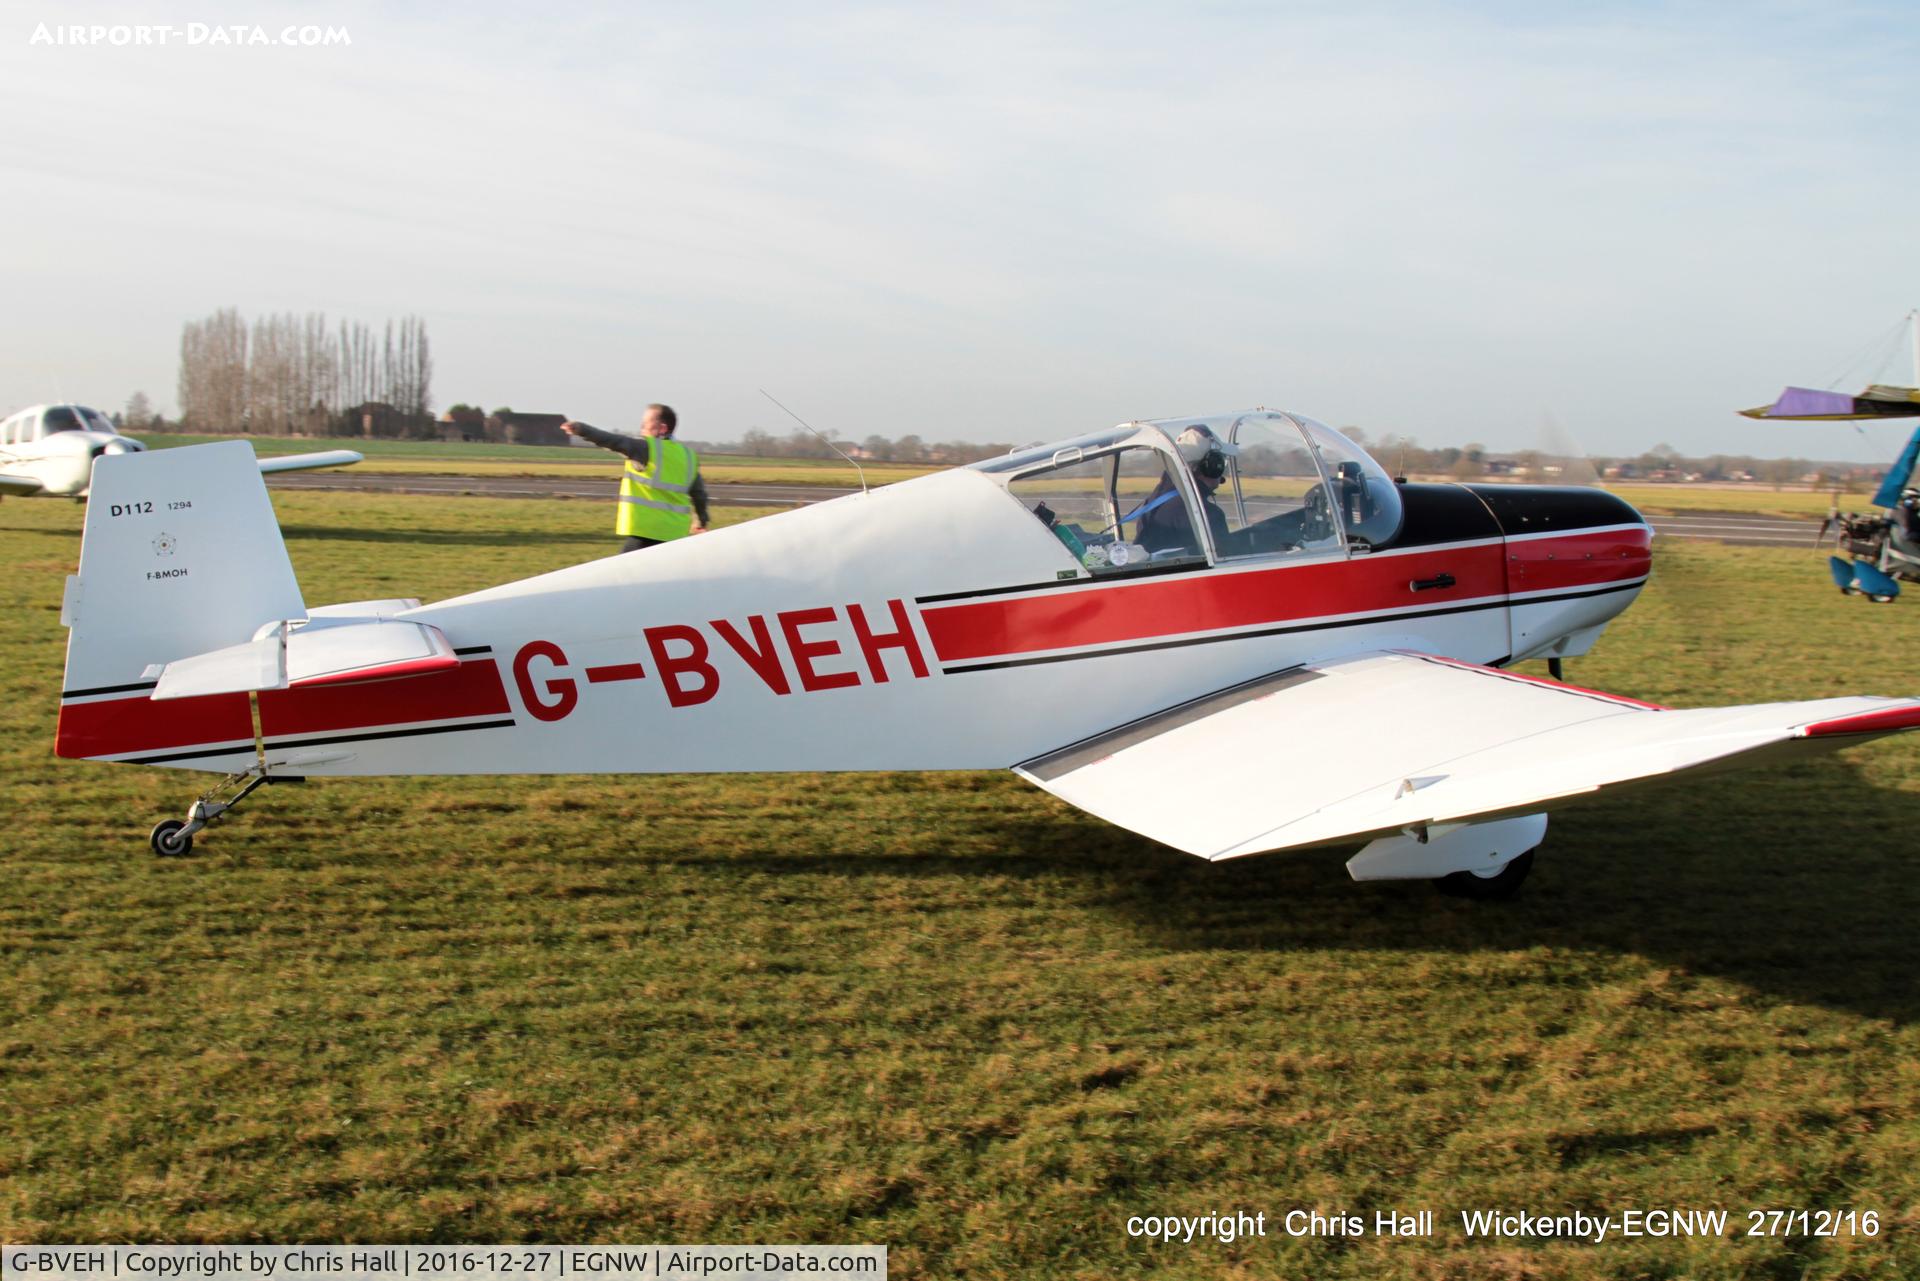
x: 1164, y: 523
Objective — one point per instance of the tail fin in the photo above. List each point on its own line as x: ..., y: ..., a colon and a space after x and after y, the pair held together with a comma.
x: 181, y: 554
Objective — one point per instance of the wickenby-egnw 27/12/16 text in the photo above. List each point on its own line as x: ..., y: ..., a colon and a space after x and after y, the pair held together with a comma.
x: 1510, y: 1224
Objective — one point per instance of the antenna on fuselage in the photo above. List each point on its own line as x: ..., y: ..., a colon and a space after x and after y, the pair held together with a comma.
x: 830, y: 445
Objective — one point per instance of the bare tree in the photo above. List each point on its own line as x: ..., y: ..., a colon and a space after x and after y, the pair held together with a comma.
x: 420, y: 379
x: 292, y: 374
x: 213, y: 373
x: 386, y: 365
x: 267, y: 378
x: 320, y: 372
x: 406, y: 373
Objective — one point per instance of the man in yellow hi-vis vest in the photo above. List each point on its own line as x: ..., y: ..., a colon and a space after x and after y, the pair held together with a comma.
x: 661, y: 494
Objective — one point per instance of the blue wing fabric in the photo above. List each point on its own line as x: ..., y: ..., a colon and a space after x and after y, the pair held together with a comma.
x: 1901, y: 477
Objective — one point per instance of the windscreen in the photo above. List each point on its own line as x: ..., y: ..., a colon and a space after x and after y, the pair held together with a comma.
x: 1367, y: 500
x: 1259, y: 482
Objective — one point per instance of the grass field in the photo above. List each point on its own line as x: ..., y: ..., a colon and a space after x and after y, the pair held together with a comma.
x: 945, y: 1012
x: 1717, y: 498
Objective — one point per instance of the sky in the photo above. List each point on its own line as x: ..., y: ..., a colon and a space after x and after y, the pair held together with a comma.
x: 1496, y: 223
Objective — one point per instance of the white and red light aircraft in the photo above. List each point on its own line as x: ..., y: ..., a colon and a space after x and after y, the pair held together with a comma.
x: 49, y: 450
x: 1245, y: 598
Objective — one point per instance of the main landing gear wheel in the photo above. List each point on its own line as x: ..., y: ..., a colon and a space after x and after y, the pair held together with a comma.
x: 1503, y: 884
x: 170, y: 839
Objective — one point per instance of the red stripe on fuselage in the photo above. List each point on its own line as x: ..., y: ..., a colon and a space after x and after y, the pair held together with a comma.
x: 471, y: 689
x: 115, y: 726
x: 1578, y: 560
x: 124, y: 726
x: 1206, y: 601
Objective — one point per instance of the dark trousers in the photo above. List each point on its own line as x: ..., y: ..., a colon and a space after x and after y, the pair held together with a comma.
x: 634, y: 544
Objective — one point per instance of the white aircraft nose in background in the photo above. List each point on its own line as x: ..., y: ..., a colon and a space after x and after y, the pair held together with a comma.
x: 49, y: 450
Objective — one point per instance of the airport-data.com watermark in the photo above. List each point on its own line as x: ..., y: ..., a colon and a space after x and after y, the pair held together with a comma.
x: 188, y: 35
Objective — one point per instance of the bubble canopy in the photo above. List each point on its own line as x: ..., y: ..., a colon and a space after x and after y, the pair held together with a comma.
x: 1279, y: 452
x: 1284, y: 481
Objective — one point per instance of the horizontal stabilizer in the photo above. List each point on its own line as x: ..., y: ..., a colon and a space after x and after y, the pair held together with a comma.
x: 331, y: 651
x: 1383, y: 743
x: 258, y: 664
x: 323, y: 650
x: 366, y: 609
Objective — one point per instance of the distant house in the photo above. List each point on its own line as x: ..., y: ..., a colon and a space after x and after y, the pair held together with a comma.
x: 513, y: 428
x: 378, y: 418
x: 463, y: 423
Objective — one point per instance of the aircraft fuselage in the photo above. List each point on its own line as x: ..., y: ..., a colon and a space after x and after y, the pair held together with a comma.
x: 933, y: 624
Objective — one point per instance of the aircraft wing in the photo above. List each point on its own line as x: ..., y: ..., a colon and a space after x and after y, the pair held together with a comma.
x: 301, y: 462
x: 1368, y: 746
x: 25, y: 485
x: 1804, y: 404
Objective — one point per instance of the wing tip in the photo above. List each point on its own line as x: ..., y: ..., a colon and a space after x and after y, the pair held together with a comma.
x: 1900, y: 717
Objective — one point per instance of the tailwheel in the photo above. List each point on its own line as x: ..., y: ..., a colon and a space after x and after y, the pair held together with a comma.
x: 173, y: 837
x: 1501, y: 884
x: 170, y: 839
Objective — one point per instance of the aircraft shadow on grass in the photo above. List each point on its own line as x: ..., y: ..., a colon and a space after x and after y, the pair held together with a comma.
x: 1789, y: 892
x: 1792, y: 892
x: 65, y: 536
